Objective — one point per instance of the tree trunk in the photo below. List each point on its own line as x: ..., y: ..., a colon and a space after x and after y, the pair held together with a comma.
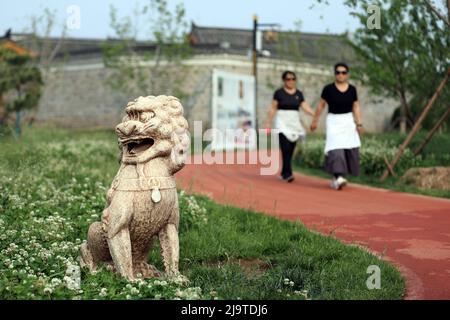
x: 2, y: 110
x: 448, y: 9
x: 18, y: 128
x: 403, y: 112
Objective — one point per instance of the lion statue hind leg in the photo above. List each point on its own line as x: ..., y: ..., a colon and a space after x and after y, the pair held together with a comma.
x: 95, y: 249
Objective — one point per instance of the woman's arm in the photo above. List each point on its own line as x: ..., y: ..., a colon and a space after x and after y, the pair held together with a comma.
x: 316, y: 117
x: 271, y: 114
x: 357, y: 116
x: 307, y: 108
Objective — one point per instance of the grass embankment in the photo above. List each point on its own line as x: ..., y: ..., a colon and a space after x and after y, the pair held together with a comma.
x: 53, y: 186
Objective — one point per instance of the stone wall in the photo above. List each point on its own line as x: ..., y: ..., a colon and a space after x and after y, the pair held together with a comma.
x: 76, y: 94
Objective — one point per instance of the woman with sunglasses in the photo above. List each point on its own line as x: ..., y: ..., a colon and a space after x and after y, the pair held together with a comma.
x: 343, y: 127
x: 286, y: 104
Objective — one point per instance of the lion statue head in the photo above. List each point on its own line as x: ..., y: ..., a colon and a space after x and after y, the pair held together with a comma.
x: 154, y: 126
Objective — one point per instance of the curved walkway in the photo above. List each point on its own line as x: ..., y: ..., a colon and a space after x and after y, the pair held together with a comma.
x: 411, y: 231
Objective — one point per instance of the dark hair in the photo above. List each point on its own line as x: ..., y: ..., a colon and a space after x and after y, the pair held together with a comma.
x: 286, y: 73
x: 341, y: 64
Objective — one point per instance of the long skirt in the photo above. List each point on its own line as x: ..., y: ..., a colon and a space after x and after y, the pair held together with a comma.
x: 342, y: 161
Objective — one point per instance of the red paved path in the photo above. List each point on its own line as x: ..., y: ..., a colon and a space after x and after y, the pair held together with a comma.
x: 413, y: 231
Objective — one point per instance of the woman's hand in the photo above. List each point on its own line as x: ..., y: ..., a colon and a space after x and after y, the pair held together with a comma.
x: 316, y: 117
x: 271, y: 115
x: 360, y: 130
x: 357, y: 117
x: 307, y: 108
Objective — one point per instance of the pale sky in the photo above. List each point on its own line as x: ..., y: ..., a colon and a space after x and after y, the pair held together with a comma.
x: 94, y: 14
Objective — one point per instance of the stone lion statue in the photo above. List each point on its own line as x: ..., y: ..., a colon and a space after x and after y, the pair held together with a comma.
x: 142, y: 202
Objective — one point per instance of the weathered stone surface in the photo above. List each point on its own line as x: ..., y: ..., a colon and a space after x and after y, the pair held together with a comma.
x: 142, y: 202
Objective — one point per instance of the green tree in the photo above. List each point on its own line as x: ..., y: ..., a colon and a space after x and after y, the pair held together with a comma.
x: 405, y: 58
x: 158, y: 68
x: 20, y: 85
x: 41, y: 26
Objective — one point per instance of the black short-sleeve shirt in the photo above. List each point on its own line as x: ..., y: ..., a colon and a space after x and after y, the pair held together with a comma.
x: 339, y: 102
x: 288, y: 101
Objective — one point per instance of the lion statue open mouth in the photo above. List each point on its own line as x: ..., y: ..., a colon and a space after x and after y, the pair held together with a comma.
x: 142, y: 202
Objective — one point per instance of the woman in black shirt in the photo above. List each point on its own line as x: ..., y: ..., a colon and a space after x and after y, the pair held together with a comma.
x: 286, y: 104
x: 343, y: 127
x: 339, y: 102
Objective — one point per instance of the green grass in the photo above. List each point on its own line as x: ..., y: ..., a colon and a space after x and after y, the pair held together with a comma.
x: 53, y: 186
x: 322, y: 266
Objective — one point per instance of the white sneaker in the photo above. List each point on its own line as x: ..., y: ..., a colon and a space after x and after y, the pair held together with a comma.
x: 338, y: 183
x: 334, y: 184
x: 342, y: 182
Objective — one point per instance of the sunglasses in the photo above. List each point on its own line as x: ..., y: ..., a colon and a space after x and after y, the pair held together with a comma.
x: 340, y: 72
x: 290, y: 79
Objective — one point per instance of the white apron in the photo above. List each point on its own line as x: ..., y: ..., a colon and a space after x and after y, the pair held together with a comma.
x: 288, y: 123
x: 341, y: 132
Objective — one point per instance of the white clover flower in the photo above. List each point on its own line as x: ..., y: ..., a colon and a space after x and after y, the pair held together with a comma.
x: 140, y: 282
x: 73, y: 277
x: 48, y: 290
x: 163, y: 283
x: 134, y: 291
x: 55, y: 282
x: 103, y: 292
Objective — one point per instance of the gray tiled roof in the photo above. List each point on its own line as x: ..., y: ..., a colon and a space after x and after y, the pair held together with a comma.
x: 76, y: 47
x: 310, y: 47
